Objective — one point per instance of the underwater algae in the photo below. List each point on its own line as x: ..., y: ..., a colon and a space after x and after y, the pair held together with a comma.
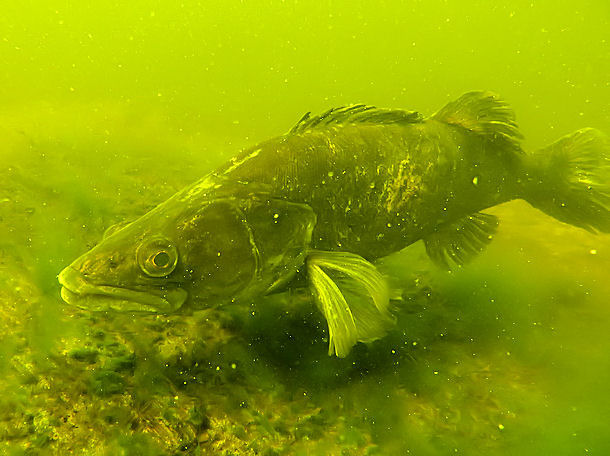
x: 97, y: 384
x: 108, y: 109
x: 466, y: 371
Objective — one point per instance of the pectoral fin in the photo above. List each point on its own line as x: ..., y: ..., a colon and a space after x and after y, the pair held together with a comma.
x: 459, y: 242
x: 352, y: 295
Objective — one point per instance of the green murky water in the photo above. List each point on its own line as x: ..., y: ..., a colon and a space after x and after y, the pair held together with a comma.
x: 109, y: 109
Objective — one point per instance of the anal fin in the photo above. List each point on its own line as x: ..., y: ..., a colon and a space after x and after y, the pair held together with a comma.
x: 459, y: 242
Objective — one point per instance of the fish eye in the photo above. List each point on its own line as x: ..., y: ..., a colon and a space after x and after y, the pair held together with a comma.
x: 157, y: 257
x: 161, y: 259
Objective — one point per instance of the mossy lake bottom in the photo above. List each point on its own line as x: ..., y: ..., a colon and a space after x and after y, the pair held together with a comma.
x: 508, y: 355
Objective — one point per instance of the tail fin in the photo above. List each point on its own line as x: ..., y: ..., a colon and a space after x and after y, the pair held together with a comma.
x: 570, y: 180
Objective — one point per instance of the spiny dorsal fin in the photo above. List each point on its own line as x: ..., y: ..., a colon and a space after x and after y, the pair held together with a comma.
x: 461, y: 241
x: 359, y: 113
x: 485, y: 114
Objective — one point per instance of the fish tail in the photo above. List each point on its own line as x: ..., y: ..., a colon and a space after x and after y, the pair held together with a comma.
x: 570, y: 180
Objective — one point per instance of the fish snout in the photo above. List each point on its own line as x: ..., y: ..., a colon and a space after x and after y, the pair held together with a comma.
x: 78, y: 291
x: 72, y: 284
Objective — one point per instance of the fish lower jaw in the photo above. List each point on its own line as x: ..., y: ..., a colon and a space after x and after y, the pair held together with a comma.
x: 121, y: 301
x: 69, y: 296
x: 101, y: 302
x: 78, y: 292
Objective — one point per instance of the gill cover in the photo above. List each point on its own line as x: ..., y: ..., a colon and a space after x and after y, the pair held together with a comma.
x: 282, y: 236
x: 237, y: 248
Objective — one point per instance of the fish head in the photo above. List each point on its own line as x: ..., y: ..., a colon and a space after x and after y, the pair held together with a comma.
x: 156, y: 263
x: 196, y: 250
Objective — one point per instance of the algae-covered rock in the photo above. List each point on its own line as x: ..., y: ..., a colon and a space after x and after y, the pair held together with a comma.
x: 86, y: 355
x: 106, y: 383
x: 126, y: 363
x: 135, y: 445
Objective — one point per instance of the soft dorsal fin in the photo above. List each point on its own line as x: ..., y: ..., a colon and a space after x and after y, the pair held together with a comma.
x: 459, y: 242
x: 358, y: 113
x: 485, y: 114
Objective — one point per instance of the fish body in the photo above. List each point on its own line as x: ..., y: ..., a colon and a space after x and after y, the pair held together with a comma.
x: 377, y: 188
x: 335, y: 193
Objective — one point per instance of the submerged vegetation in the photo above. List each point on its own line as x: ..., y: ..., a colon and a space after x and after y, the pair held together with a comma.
x: 492, y: 357
x: 108, y: 109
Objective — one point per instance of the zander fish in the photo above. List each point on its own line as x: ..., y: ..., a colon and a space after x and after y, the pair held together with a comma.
x: 336, y: 192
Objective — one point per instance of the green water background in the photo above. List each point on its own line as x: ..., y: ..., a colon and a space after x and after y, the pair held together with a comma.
x: 95, y: 94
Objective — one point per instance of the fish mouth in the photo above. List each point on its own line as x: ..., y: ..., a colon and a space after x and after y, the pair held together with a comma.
x: 77, y: 291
